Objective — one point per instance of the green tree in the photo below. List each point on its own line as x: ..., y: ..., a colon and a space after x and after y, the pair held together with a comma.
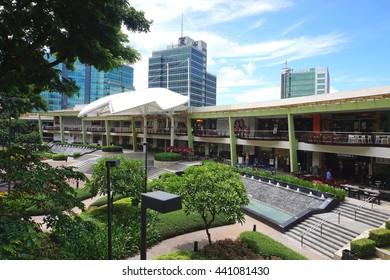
x: 127, y: 179
x: 36, y: 36
x: 37, y: 188
x: 213, y: 189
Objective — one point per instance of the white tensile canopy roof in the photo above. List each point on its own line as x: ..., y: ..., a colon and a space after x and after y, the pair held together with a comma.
x: 144, y: 102
x: 140, y: 102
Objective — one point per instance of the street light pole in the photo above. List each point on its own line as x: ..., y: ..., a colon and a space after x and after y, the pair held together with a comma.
x: 109, y: 163
x: 143, y: 209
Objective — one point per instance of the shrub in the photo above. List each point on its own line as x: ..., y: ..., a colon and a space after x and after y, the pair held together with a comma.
x: 76, y: 155
x: 112, y: 149
x: 46, y: 155
x: 267, y: 247
x: 182, y: 255
x: 387, y: 224
x: 168, y: 156
x: 381, y: 236
x: 229, y: 249
x: 363, y: 247
x: 60, y: 157
x: 125, y: 225
x: 178, y: 222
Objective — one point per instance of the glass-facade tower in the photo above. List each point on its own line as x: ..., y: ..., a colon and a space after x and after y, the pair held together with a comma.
x: 182, y: 68
x: 304, y: 83
x: 93, y: 84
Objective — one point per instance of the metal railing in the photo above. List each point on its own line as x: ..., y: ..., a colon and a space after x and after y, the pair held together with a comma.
x: 344, y: 138
x: 368, y: 200
x: 319, y: 224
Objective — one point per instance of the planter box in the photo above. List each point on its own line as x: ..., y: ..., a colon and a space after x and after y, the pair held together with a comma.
x: 382, y: 254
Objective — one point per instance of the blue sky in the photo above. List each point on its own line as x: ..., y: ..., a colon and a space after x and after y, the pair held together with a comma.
x: 249, y: 41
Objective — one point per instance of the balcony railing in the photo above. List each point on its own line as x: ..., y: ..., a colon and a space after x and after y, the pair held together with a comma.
x: 96, y: 129
x: 51, y: 127
x: 211, y: 133
x: 121, y: 130
x: 345, y: 138
x: 281, y: 135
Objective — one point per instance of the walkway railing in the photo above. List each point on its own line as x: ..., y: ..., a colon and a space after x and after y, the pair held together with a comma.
x: 368, y: 200
x: 319, y: 224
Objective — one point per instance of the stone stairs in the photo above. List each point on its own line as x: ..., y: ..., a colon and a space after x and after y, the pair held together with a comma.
x: 337, y: 231
x: 364, y: 214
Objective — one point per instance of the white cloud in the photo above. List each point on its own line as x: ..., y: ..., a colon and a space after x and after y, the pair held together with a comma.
x: 261, y: 94
x: 235, y: 63
x: 293, y: 27
x: 205, y: 12
x: 229, y: 76
x: 250, y: 68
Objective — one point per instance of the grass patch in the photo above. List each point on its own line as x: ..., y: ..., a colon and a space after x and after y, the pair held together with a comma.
x: 269, y: 248
x: 250, y: 246
x: 103, y: 200
x: 177, y: 223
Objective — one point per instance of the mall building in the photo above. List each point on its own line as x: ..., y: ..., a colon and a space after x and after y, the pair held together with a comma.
x: 347, y: 132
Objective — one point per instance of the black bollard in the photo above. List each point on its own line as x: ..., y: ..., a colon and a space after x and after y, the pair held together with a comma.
x: 195, y: 246
x: 254, y: 227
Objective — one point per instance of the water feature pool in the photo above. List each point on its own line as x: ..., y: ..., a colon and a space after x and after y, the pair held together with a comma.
x: 274, y: 213
x: 282, y: 207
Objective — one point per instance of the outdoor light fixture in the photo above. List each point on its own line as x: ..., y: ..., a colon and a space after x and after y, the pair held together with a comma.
x: 143, y: 209
x: 159, y: 201
x: 110, y: 163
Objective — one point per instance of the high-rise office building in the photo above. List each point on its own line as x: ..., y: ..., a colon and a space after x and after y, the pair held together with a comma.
x: 182, y: 68
x: 304, y: 83
x: 93, y: 84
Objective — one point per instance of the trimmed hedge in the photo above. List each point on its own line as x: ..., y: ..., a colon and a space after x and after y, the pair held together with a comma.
x: 166, y: 156
x: 381, y: 236
x: 178, y: 222
x: 76, y: 155
x: 112, y: 149
x: 387, y: 225
x: 60, y: 157
x: 268, y: 248
x: 363, y: 247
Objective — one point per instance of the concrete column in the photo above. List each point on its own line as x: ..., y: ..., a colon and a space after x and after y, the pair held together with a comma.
x: 207, y: 149
x: 84, y: 132
x: 293, y: 144
x: 134, y: 131
x: 145, y: 132
x: 172, y: 130
x: 40, y: 128
x: 190, y: 136
x: 233, y: 143
x: 62, y: 131
x: 108, y: 132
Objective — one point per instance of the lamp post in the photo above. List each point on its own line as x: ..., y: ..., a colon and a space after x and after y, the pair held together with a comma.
x: 159, y: 201
x: 143, y: 209
x: 109, y: 163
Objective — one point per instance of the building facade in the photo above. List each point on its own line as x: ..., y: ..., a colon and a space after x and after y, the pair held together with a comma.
x: 93, y: 84
x: 304, y: 83
x: 348, y: 132
x: 182, y: 68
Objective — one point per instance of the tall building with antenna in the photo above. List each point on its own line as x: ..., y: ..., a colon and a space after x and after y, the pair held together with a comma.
x: 304, y: 82
x: 182, y: 68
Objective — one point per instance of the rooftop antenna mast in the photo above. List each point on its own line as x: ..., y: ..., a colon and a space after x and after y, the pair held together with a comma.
x: 181, y: 25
